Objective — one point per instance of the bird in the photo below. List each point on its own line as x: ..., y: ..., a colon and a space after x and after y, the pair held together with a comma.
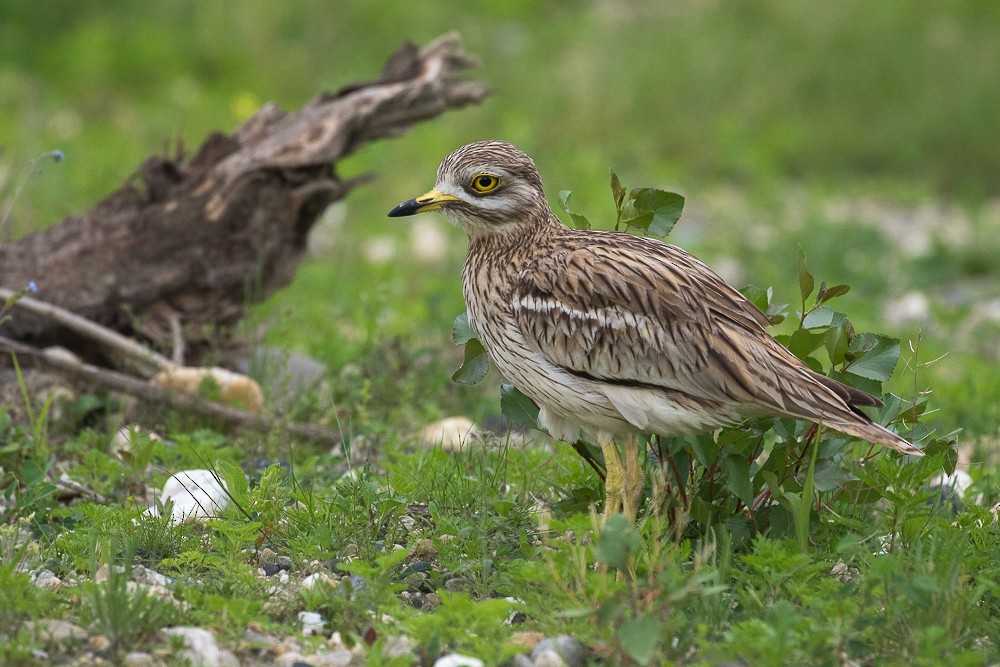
x: 614, y: 335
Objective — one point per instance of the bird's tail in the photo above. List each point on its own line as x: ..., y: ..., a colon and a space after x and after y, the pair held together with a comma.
x: 871, y: 432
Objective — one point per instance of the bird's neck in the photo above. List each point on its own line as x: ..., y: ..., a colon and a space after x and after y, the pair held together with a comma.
x: 516, y: 240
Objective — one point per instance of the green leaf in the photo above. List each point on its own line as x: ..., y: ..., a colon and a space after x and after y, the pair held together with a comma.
x: 617, y: 190
x: 827, y: 293
x: 638, y: 220
x: 758, y: 296
x: 803, y: 343
x: 234, y: 478
x: 823, y: 316
x: 830, y: 475
x: 666, y: 208
x: 806, y: 281
x: 737, y: 477
x: 475, y: 366
x: 579, y: 221
x: 564, y: 196
x: 873, y: 356
x: 517, y: 407
x: 651, y: 199
x: 639, y: 637
x: 619, y: 540
x: 461, y: 330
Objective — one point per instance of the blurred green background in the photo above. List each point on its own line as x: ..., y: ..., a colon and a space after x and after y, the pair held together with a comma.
x: 865, y: 132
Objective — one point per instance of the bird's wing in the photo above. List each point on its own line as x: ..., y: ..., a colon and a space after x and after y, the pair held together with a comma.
x: 638, y: 312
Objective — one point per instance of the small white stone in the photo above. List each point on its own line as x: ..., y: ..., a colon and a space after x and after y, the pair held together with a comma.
x: 138, y: 659
x: 152, y: 577
x: 196, y: 495
x: 312, y: 623
x: 46, y: 579
x: 200, y: 645
x: 458, y: 660
x: 450, y: 434
x: 548, y: 658
x: 317, y: 578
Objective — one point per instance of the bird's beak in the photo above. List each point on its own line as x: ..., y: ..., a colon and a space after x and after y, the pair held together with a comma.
x: 431, y: 201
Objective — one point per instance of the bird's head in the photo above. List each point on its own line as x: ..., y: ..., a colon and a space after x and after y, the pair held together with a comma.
x: 486, y: 187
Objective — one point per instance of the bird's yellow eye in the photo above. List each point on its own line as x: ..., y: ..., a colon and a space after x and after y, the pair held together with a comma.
x: 483, y: 183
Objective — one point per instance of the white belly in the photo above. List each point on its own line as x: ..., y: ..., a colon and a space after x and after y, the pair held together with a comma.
x: 572, y: 407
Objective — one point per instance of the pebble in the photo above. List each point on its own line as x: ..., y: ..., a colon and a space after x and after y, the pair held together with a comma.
x: 270, y: 569
x: 312, y: 623
x: 46, y: 579
x: 201, y: 647
x: 55, y: 630
x: 416, y: 567
x: 138, y: 659
x: 318, y: 578
x: 292, y: 659
x: 548, y: 658
x: 287, y: 376
x: 146, y: 576
x: 425, y: 549
x: 196, y: 495
x: 395, y: 647
x: 450, y: 434
x: 458, y: 660
x: 571, y: 652
x: 528, y: 640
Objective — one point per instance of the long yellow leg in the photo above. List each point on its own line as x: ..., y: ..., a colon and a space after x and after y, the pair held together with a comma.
x: 634, y: 481
x: 614, y: 478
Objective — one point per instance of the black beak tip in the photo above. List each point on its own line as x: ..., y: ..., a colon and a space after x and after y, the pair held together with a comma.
x: 408, y: 207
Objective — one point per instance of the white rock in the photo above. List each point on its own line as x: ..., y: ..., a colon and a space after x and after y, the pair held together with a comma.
x: 45, y: 579
x: 200, y: 646
x: 548, y: 658
x: 56, y: 630
x: 312, y: 623
x: 196, y: 494
x: 290, y: 658
x: 450, y: 433
x: 138, y: 659
x: 151, y: 577
x: 458, y: 660
x: 317, y: 578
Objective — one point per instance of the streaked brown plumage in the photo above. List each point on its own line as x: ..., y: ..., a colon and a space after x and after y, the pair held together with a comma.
x: 613, y: 334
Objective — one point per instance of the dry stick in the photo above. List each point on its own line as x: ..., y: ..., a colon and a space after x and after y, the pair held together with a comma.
x: 116, y: 381
x: 142, y: 356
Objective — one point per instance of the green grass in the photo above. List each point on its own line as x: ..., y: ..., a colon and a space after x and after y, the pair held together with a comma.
x: 863, y: 133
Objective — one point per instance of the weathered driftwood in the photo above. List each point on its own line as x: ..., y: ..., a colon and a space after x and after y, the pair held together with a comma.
x: 191, y: 243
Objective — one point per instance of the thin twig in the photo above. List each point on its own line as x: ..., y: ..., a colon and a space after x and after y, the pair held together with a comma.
x: 154, y: 393
x: 147, y: 361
